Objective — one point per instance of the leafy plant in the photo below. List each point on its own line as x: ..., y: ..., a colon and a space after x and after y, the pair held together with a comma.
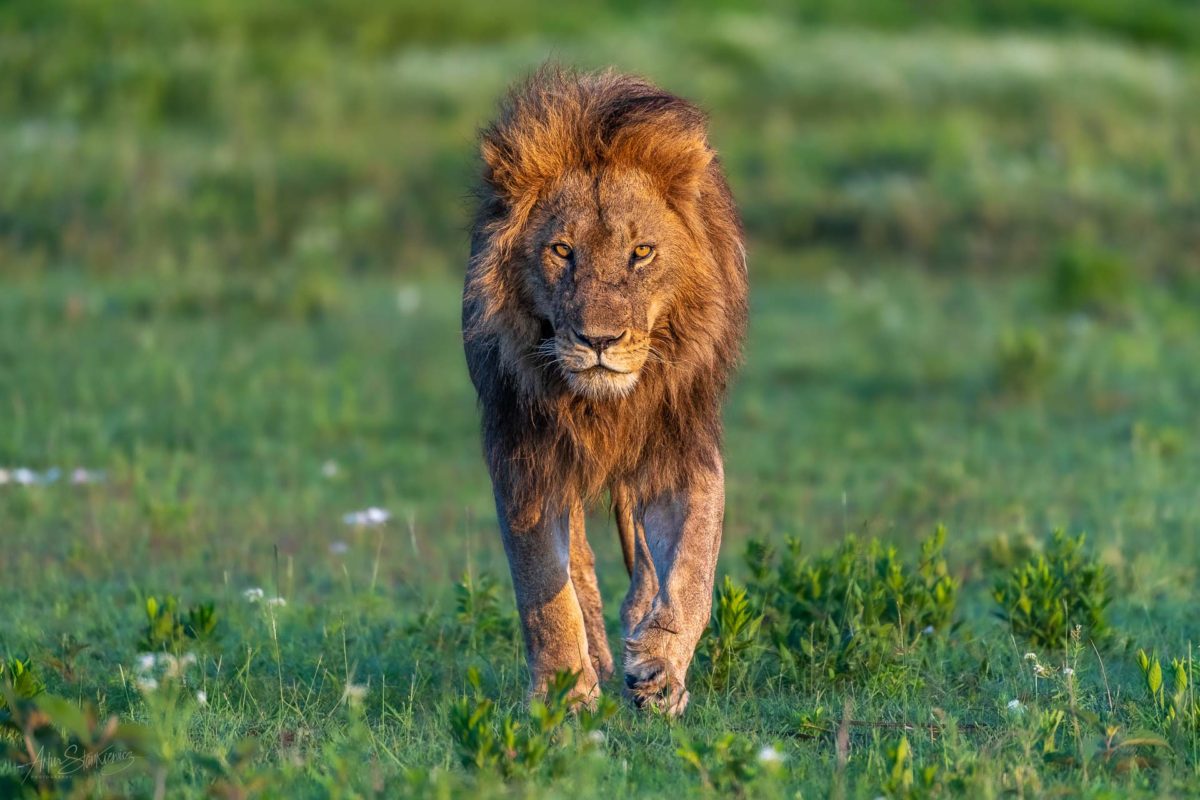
x: 854, y: 609
x: 478, y: 611
x: 899, y: 781
x: 489, y: 740
x: 18, y: 679
x: 1102, y: 743
x: 1023, y: 362
x: 1180, y: 708
x: 726, y: 764
x: 1085, y: 277
x: 168, y: 629
x: 200, y: 621
x: 735, y: 629
x: 1049, y: 722
x: 813, y: 723
x: 1042, y: 598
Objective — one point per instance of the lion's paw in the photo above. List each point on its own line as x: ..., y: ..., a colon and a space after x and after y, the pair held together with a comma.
x: 651, y: 682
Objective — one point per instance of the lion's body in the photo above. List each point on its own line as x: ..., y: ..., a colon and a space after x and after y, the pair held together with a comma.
x: 605, y: 161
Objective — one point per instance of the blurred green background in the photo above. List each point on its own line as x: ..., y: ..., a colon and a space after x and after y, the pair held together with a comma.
x: 215, y: 142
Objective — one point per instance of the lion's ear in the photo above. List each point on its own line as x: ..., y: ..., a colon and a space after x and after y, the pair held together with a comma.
x: 498, y: 167
x: 683, y: 174
x: 676, y: 158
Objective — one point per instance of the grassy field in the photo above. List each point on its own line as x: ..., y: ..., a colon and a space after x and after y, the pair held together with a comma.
x: 230, y: 259
x: 232, y: 445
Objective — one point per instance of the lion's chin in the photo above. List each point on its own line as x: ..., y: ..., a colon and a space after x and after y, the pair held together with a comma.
x: 599, y: 383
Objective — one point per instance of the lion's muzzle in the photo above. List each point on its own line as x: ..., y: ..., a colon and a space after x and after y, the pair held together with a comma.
x: 601, y: 364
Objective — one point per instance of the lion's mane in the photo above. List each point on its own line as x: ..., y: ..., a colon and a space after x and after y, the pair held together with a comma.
x: 544, y: 444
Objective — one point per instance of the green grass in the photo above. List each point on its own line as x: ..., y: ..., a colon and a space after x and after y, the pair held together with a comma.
x: 231, y: 244
x: 867, y: 404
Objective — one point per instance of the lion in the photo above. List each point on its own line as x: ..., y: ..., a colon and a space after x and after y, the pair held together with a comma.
x: 603, y: 314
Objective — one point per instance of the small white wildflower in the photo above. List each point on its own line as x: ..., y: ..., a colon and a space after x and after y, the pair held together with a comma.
x: 597, y: 737
x: 928, y: 630
x: 202, y: 697
x: 276, y: 601
x: 24, y: 476
x: 339, y: 548
x: 253, y: 594
x: 330, y: 469
x: 367, y: 517
x: 146, y: 662
x: 5, y: 477
x: 1041, y: 671
x: 146, y: 685
x: 770, y: 756
x: 1031, y: 656
x: 1015, y: 706
x: 175, y: 667
x: 1068, y: 671
x: 354, y: 693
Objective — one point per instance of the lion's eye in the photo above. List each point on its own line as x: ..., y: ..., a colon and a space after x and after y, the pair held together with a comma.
x: 642, y: 251
x: 561, y: 250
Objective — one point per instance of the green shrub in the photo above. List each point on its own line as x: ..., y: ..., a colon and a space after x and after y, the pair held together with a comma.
x: 734, y: 634
x: 167, y: 629
x: 899, y: 781
x: 1084, y: 277
x: 855, y: 609
x: 1043, y: 598
x: 1023, y: 362
x: 1180, y: 708
x: 487, y: 739
x: 18, y: 680
x: 727, y: 764
x: 478, y: 611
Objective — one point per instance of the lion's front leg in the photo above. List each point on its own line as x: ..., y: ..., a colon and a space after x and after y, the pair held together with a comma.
x: 552, y: 623
x: 682, y: 537
x: 583, y: 578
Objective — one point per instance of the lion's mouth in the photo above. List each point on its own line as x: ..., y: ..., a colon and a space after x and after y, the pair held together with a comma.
x: 601, y: 382
x: 601, y: 369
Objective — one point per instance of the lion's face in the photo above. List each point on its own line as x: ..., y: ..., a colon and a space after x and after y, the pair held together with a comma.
x: 603, y: 259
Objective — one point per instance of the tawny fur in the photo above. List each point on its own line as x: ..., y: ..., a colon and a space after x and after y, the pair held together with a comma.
x: 564, y: 142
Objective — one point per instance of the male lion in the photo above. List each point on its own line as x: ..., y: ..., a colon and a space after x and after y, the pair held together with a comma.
x: 604, y: 309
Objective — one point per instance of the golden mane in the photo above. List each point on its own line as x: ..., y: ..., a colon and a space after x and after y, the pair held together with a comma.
x: 545, y: 445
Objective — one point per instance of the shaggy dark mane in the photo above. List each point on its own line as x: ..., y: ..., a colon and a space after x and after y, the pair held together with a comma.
x: 546, y: 446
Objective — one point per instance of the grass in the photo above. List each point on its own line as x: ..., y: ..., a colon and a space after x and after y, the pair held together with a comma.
x: 853, y: 414
x: 231, y: 242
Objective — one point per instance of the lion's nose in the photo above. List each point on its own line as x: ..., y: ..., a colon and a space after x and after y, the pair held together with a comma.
x: 599, y: 341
